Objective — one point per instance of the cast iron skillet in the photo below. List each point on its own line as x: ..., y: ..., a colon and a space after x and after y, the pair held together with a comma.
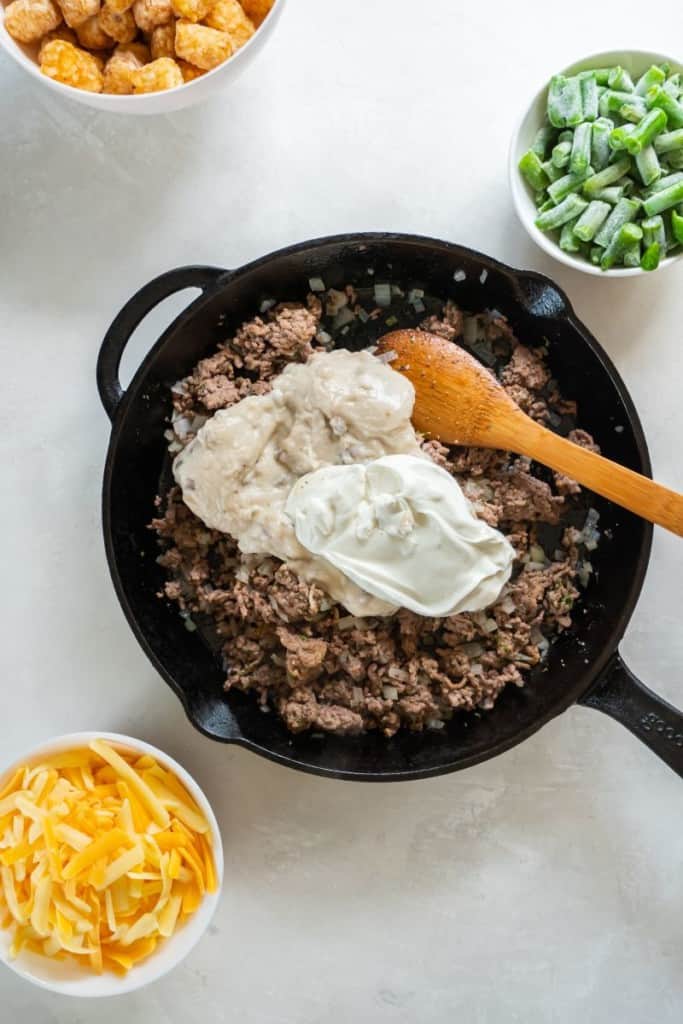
x: 584, y: 665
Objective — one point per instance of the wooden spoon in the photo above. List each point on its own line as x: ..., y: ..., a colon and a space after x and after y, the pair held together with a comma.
x: 458, y: 401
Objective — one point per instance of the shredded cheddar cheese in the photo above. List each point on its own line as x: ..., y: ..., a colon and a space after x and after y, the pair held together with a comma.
x: 103, y: 853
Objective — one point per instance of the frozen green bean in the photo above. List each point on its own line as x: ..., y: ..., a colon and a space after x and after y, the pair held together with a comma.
x: 634, y: 111
x: 600, y: 148
x: 622, y: 240
x: 619, y: 78
x: 617, y: 138
x: 658, y: 98
x: 648, y: 165
x: 581, y: 149
x: 623, y: 213
x: 532, y: 169
x: 653, y: 231
x: 631, y: 257
x: 612, y: 194
x: 644, y: 132
x: 570, y: 208
x: 653, y: 76
x: 677, y: 225
x: 591, y: 220
x: 669, y: 142
x: 589, y: 97
x: 664, y: 200
x: 675, y: 160
x: 596, y: 254
x: 552, y: 172
x: 564, y: 101
x: 561, y: 188
x: 651, y: 256
x: 609, y: 175
x: 568, y: 240
x: 543, y: 138
x: 612, y: 100
x: 561, y: 153
x: 666, y: 182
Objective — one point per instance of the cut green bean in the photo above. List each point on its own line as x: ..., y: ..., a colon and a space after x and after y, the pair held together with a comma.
x: 617, y: 138
x: 653, y: 231
x: 609, y: 175
x: 568, y: 240
x: 596, y: 254
x: 658, y: 98
x: 677, y: 225
x: 653, y: 76
x: 651, y: 256
x: 666, y: 182
x: 669, y: 142
x: 612, y: 194
x: 542, y: 140
x: 561, y: 153
x: 570, y: 208
x: 591, y: 220
x: 532, y: 169
x: 644, y: 132
x: 623, y: 213
x: 623, y: 239
x: 589, y: 97
x: 633, y: 111
x: 619, y: 78
x: 564, y: 101
x: 600, y: 148
x: 664, y: 200
x: 547, y: 205
x: 675, y: 160
x: 581, y: 149
x: 631, y: 257
x: 648, y: 165
x: 612, y: 100
x: 561, y: 188
x: 552, y: 172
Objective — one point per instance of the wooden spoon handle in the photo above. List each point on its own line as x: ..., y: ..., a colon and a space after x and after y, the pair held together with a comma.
x: 631, y: 490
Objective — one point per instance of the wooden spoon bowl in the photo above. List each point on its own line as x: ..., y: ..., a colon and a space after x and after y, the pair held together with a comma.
x: 458, y: 401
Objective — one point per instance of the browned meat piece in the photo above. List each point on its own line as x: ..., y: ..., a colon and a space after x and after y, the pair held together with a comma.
x: 305, y: 656
x: 448, y: 326
x: 526, y: 369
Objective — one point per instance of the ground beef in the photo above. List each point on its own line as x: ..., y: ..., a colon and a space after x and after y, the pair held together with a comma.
x: 299, y: 653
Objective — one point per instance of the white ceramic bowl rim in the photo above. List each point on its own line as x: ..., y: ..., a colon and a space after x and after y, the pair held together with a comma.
x: 67, y: 979
x: 128, y: 104
x: 523, y: 202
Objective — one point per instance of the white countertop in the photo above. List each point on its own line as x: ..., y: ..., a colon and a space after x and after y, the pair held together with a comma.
x: 540, y: 887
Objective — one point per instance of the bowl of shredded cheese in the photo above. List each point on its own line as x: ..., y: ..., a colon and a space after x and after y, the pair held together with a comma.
x: 111, y: 864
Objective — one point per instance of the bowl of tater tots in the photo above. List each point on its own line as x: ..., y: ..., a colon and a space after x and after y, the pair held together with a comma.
x: 136, y: 56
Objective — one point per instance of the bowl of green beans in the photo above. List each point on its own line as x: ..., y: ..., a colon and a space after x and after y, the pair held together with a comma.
x: 596, y: 164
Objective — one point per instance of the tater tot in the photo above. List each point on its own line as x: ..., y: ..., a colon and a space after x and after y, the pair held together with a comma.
x: 204, y: 47
x: 63, y: 32
x: 91, y: 35
x: 119, y: 6
x: 228, y: 16
x: 150, y: 13
x: 161, y: 74
x: 192, y: 10
x: 77, y: 11
x: 162, y: 41
x: 29, y: 20
x: 257, y: 9
x: 66, y: 63
x: 119, y: 25
x: 138, y: 49
x: 118, y: 73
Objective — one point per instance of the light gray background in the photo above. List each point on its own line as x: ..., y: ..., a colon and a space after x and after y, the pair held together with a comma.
x: 541, y: 887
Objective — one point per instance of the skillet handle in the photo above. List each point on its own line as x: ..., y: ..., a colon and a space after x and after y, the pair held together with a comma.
x: 132, y: 314
x: 619, y: 694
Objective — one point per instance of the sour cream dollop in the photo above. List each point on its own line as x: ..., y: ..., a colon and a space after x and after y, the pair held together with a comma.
x: 401, y: 528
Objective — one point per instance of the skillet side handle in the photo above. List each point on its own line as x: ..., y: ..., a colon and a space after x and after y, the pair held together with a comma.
x: 658, y: 724
x: 132, y: 314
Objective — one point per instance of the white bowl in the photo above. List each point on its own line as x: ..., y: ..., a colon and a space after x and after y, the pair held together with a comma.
x: 635, y: 62
x: 67, y: 978
x: 154, y: 102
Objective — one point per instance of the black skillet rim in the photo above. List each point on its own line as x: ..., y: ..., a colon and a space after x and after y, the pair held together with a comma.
x: 598, y: 666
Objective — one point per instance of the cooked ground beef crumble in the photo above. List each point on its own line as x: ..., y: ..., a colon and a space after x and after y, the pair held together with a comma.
x: 296, y: 650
